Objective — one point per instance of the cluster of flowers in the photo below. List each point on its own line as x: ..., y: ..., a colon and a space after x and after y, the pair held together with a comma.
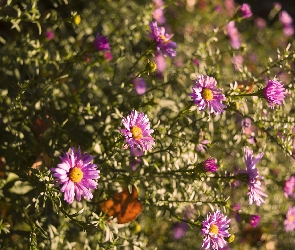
x: 77, y: 174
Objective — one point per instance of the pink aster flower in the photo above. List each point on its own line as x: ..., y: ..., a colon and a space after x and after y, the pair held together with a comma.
x: 139, y: 85
x: 254, y: 220
x: 245, y: 10
x: 163, y: 42
x: 76, y: 173
x: 274, y: 93
x: 205, y: 94
x: 158, y: 15
x: 289, y: 187
x: 234, y: 35
x: 290, y: 220
x: 260, y: 23
x: 254, y: 185
x: 137, y: 131
x: 215, y: 229
x: 210, y: 165
x: 160, y: 61
x: 287, y: 22
x: 101, y: 43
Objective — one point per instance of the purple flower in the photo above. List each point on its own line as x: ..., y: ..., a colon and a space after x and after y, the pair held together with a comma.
x: 76, y: 174
x: 285, y: 18
x: 205, y: 94
x: 238, y: 62
x: 215, y: 229
x: 179, y: 230
x: 108, y: 55
x: 101, y: 43
x: 254, y: 220
x: 210, y: 165
x: 196, y: 62
x: 139, y: 85
x: 236, y: 212
x: 158, y: 15
x: 290, y: 220
x: 201, y: 147
x: 163, y: 42
x: 49, y: 35
x: 289, y: 187
x: 160, y: 61
x: 245, y: 10
x: 137, y: 131
x: 234, y: 35
x: 158, y: 3
x: 274, y: 93
x: 254, y: 185
x: 260, y: 23
x: 287, y: 22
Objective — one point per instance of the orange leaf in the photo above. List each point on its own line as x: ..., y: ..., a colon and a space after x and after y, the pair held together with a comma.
x: 124, y: 206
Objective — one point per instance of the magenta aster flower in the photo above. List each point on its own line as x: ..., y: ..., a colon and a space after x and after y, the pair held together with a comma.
x: 254, y: 220
x: 254, y: 185
x: 49, y: 35
x: 290, y: 220
x: 101, y: 43
x: 210, y: 165
x: 205, y: 94
x: 163, y: 42
x: 215, y: 229
x: 245, y: 10
x: 289, y: 187
x: 274, y: 93
x: 76, y: 174
x: 137, y: 131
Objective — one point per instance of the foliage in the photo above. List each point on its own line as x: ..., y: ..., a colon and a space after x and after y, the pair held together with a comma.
x: 60, y: 92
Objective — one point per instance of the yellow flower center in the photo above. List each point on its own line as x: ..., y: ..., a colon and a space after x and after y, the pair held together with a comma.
x: 213, y: 229
x: 164, y: 39
x: 76, y: 174
x: 77, y: 19
x: 207, y: 94
x: 136, y: 133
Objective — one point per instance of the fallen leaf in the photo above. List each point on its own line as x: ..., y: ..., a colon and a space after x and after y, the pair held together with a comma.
x: 124, y: 206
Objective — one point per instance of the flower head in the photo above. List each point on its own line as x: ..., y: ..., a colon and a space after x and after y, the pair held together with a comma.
x: 234, y: 35
x: 245, y: 10
x: 179, y: 230
x: 290, y: 220
x: 158, y: 15
x: 160, y: 61
x: 101, y: 43
x: 287, y: 22
x: 137, y: 131
x: 274, y: 93
x: 254, y: 220
x: 139, y: 85
x: 215, y: 229
x: 205, y: 94
x: 289, y: 187
x: 76, y: 173
x: 254, y: 185
x: 49, y: 35
x: 210, y: 165
x: 163, y: 42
